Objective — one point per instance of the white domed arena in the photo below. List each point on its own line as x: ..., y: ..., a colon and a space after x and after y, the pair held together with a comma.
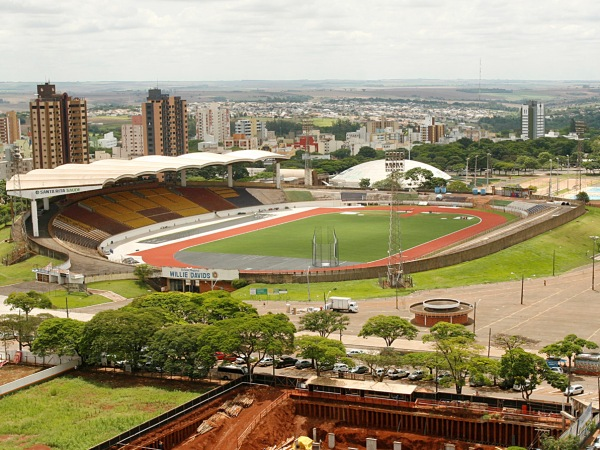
x: 375, y: 171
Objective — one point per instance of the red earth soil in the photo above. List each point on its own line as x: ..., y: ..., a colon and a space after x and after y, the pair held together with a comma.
x: 282, y: 423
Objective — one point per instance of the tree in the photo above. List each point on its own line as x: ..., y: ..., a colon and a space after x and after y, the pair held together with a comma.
x: 123, y: 334
x: 522, y: 368
x: 568, y: 347
x: 143, y: 272
x: 219, y: 305
x: 389, y: 328
x: 364, y: 183
x: 324, y: 322
x: 383, y: 361
x: 418, y: 360
x: 181, y: 348
x: 457, y: 187
x: 250, y: 335
x: 583, y: 197
x: 322, y: 351
x: 26, y: 302
x: 418, y: 176
x: 367, y: 152
x: 457, y: 348
x: 58, y: 336
x: 567, y: 443
x: 177, y: 307
x: 23, y: 329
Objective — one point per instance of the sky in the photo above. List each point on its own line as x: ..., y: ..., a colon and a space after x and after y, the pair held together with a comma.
x: 211, y: 40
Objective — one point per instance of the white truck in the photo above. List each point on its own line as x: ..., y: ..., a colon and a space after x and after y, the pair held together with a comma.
x: 345, y: 304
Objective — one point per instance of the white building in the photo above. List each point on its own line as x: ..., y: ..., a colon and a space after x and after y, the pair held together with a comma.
x: 251, y: 128
x: 532, y: 120
x: 108, y: 141
x: 213, y: 123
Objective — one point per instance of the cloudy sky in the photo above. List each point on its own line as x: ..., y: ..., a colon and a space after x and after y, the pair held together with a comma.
x: 113, y: 40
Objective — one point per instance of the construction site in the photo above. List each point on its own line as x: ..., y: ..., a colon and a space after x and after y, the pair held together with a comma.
x: 330, y: 413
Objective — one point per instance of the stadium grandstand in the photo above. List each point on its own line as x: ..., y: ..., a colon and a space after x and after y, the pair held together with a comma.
x: 117, y: 196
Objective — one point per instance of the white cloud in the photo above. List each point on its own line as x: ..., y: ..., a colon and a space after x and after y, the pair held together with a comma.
x: 268, y: 39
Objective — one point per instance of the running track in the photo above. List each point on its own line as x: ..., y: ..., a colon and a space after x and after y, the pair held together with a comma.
x: 164, y: 255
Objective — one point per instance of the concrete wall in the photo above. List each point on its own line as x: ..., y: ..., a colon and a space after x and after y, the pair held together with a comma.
x: 38, y: 377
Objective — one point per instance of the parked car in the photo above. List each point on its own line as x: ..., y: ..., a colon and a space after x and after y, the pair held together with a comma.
x: 574, y: 389
x: 266, y: 361
x: 596, y: 443
x: 395, y: 374
x: 416, y: 375
x: 223, y: 357
x: 354, y: 352
x: 285, y: 361
x: 443, y: 376
x: 340, y: 367
x: 378, y: 372
x: 359, y: 369
x: 303, y: 364
x: 557, y: 369
x: 519, y: 387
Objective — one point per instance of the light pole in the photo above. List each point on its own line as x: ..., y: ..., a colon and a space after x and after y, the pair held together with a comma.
x: 475, y: 172
x: 487, y: 172
x: 594, y: 239
x: 467, y: 173
x: 550, y: 182
x: 557, y: 169
x: 308, y: 281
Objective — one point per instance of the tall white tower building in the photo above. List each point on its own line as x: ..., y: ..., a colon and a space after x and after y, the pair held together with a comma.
x: 532, y: 120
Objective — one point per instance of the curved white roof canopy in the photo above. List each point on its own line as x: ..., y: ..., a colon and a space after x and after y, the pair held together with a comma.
x: 99, y: 173
x: 375, y: 171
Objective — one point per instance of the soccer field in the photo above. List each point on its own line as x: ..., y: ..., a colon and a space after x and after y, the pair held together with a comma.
x: 362, y: 236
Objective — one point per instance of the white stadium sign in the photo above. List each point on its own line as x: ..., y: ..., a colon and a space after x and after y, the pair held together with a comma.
x: 191, y: 273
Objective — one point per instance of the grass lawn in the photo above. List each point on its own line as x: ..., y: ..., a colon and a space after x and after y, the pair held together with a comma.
x: 75, y: 413
x: 59, y: 298
x: 362, y: 237
x: 298, y: 196
x: 530, y: 259
x: 125, y: 288
x: 20, y: 272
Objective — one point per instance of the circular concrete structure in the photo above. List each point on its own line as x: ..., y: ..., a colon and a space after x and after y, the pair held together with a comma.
x: 429, y: 312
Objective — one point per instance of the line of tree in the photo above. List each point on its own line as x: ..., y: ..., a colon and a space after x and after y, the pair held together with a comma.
x: 181, y: 333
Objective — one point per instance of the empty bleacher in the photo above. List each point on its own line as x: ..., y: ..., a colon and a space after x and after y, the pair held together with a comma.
x: 242, y: 199
x: 526, y: 208
x: 96, y: 218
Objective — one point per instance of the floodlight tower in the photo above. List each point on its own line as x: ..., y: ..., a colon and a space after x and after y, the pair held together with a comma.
x: 394, y: 165
x: 306, y: 127
x: 15, y: 159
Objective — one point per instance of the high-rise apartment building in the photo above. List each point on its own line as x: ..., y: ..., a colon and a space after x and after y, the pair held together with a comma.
x: 251, y: 128
x: 532, y: 120
x: 213, y: 123
x: 10, y: 128
x: 59, y: 131
x: 165, y: 124
x: 431, y: 132
x: 132, y: 137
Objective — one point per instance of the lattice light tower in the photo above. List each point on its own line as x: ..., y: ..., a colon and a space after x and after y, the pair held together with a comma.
x: 306, y: 129
x: 394, y: 165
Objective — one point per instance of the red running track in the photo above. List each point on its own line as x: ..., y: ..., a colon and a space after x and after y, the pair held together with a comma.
x: 164, y: 255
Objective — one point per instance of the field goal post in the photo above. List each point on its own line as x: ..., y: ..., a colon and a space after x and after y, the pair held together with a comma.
x: 325, y: 249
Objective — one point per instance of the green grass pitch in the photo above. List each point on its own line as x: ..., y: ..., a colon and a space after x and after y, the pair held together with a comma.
x: 362, y: 237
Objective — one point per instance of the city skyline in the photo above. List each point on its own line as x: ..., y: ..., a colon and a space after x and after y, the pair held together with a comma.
x: 214, y: 40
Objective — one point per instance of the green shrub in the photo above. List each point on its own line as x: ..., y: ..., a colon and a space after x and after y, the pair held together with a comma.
x: 239, y: 283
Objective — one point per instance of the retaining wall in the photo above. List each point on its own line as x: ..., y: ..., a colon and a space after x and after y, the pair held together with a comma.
x: 513, y: 237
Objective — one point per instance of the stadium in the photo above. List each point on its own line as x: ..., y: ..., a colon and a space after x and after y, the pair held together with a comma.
x: 200, y: 235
